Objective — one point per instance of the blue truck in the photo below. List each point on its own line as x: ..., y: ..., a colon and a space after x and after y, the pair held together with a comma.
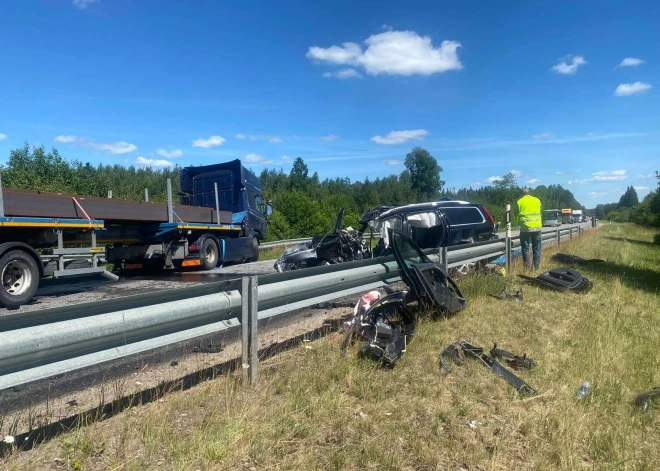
x: 220, y: 217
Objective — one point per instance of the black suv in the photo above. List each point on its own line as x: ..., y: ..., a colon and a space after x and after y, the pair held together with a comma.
x: 432, y: 225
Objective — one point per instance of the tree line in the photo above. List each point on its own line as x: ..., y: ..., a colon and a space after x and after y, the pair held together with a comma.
x: 630, y: 209
x: 304, y: 204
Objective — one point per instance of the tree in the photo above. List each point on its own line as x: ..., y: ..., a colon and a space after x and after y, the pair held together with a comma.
x: 298, y: 178
x: 424, y: 174
x: 629, y: 198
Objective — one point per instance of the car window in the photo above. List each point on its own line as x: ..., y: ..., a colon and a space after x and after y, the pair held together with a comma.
x: 410, y: 254
x: 460, y: 216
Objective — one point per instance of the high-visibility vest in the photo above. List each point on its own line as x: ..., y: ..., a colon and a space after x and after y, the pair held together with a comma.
x: 529, y: 213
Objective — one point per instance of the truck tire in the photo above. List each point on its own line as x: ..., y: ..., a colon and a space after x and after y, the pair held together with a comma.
x: 20, y: 278
x: 209, y: 254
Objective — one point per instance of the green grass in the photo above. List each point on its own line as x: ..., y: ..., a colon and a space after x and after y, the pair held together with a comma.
x: 315, y: 409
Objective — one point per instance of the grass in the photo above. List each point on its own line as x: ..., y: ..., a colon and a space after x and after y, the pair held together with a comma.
x: 315, y: 409
x: 271, y: 253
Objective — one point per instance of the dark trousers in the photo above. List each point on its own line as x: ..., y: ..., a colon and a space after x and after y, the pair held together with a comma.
x: 531, y: 240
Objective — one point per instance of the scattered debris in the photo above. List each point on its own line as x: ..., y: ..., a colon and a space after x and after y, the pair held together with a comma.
x: 643, y: 399
x: 473, y: 424
x: 516, y: 362
x: 584, y: 390
x: 562, y: 279
x: 362, y: 415
x: 174, y: 363
x: 504, y: 294
x: 567, y: 258
x: 72, y: 403
x: 9, y: 439
x: 210, y: 348
x: 457, y: 350
x: 494, y: 269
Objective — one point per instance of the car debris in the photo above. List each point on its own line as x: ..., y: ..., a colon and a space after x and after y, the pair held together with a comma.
x: 505, y: 294
x: 643, y: 400
x: 567, y: 258
x: 562, y: 279
x: 339, y: 245
x: 385, y: 323
x: 456, y: 352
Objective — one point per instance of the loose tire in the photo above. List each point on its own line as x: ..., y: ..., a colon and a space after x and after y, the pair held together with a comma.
x: 20, y: 278
x: 209, y: 254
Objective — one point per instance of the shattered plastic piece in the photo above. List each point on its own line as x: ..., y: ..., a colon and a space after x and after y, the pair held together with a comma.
x: 562, y: 279
x: 516, y: 362
x: 473, y: 424
x: 643, y: 399
x: 366, y: 301
x: 504, y: 294
x: 9, y: 439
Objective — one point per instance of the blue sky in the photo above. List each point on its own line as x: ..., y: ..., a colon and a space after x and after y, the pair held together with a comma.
x: 558, y: 92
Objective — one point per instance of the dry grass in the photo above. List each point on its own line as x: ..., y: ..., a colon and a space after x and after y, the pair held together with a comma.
x: 315, y: 409
x: 271, y: 253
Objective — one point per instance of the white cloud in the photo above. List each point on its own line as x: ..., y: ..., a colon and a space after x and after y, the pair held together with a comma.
x: 172, y: 154
x: 257, y: 159
x: 641, y: 188
x: 286, y: 158
x: 644, y: 177
x: 343, y: 74
x: 515, y: 173
x: 631, y: 62
x: 393, y: 162
x: 393, y: 53
x: 602, y: 176
x: 568, y: 65
x: 153, y: 162
x: 597, y: 194
x: 386, y: 27
x: 66, y: 139
x: 544, y: 135
x: 121, y: 147
x: 400, y: 137
x: 213, y: 141
x: 533, y: 181
x: 330, y: 137
x: 261, y: 137
x: 3, y: 136
x: 627, y: 89
x: 476, y: 184
x: 82, y: 4
x: 493, y: 179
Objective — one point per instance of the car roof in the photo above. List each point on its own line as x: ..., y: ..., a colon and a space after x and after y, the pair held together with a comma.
x: 418, y: 207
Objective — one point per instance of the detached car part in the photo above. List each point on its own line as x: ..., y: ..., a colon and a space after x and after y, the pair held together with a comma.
x: 566, y: 258
x: 504, y: 294
x: 562, y: 279
x: 643, y: 399
x: 458, y: 350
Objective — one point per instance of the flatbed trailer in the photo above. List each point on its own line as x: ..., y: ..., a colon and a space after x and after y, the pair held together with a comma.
x: 134, y: 234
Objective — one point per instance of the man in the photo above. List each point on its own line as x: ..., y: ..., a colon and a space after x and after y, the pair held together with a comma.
x: 529, y: 217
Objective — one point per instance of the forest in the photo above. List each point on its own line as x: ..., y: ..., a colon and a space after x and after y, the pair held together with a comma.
x: 631, y: 209
x: 303, y: 203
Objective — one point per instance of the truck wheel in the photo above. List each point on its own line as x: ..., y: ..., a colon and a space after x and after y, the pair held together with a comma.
x: 20, y: 278
x: 209, y: 254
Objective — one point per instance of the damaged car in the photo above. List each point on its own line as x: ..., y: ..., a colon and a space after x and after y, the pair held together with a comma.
x: 338, y: 245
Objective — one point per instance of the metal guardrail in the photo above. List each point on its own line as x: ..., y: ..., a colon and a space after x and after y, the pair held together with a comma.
x: 40, y: 344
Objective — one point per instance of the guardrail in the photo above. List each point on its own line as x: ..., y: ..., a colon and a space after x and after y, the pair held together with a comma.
x: 39, y: 344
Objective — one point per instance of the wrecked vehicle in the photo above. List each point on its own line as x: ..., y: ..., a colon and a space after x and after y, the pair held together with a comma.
x: 339, y: 245
x: 430, y: 225
x: 385, y: 323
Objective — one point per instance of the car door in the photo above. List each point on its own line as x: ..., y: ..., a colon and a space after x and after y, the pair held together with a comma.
x: 467, y: 224
x: 431, y: 285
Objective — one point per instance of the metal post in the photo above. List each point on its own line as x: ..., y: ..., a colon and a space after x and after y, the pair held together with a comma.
x: 146, y: 195
x: 60, y: 245
x: 249, y: 329
x: 170, y: 215
x: 95, y: 257
x: 2, y: 201
x: 570, y: 233
x: 507, y: 242
x: 217, y: 204
x: 110, y: 194
x: 444, y: 262
x: 558, y: 237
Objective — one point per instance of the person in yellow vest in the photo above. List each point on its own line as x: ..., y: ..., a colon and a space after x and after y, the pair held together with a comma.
x: 529, y: 217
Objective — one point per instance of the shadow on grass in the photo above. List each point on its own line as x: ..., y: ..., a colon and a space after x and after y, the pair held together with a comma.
x: 634, y: 241
x: 638, y: 278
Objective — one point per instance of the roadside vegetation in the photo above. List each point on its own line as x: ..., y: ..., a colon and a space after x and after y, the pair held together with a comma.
x: 316, y: 409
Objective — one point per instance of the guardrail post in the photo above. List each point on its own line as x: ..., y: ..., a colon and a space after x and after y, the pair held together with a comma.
x: 570, y: 233
x: 170, y: 215
x: 109, y: 194
x: 558, y: 237
x: 507, y: 241
x: 146, y: 195
x: 2, y: 203
x: 249, y: 332
x: 444, y: 261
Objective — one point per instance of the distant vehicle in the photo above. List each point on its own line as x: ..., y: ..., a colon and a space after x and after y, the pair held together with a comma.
x: 577, y: 215
x: 566, y: 216
x: 551, y: 217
